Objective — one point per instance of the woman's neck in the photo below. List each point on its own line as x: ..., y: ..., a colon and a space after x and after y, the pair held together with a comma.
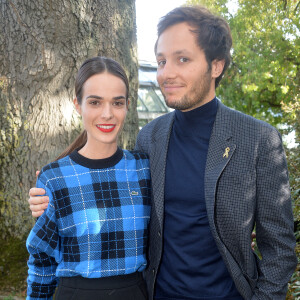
x: 99, y: 151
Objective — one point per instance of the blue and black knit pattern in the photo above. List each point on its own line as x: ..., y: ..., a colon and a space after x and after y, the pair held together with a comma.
x: 96, y: 221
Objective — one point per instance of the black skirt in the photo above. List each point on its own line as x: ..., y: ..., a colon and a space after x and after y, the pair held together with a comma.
x: 123, y: 287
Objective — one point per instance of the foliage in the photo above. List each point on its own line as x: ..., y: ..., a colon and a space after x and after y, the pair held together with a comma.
x: 294, y: 286
x: 13, y: 267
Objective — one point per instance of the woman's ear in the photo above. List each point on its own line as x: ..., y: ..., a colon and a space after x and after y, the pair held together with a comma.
x: 77, y: 105
x: 127, y: 104
x: 217, y: 67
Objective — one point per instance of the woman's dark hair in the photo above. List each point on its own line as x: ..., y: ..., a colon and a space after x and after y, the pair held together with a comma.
x: 212, y: 32
x: 93, y: 66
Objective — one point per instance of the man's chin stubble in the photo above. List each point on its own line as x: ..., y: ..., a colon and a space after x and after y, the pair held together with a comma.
x: 182, y: 104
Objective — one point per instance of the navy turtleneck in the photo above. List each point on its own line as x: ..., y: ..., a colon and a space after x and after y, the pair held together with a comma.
x: 191, y: 265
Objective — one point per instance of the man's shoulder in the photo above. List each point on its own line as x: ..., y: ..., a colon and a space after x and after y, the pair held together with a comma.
x: 156, y: 130
x: 157, y: 124
x: 241, y: 120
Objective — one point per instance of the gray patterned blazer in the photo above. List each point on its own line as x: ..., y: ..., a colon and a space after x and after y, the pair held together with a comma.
x: 246, y: 188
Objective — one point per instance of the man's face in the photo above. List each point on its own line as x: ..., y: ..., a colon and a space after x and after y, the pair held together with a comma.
x: 183, y: 74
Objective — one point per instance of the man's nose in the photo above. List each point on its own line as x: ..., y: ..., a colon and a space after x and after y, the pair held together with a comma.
x: 168, y: 71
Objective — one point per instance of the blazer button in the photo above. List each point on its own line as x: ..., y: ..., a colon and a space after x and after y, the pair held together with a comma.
x: 153, y: 272
x: 159, y: 234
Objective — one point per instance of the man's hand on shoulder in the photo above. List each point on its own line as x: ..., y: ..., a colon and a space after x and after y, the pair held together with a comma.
x: 37, y: 202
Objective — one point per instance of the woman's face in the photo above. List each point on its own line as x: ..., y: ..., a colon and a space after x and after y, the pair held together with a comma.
x: 103, y: 110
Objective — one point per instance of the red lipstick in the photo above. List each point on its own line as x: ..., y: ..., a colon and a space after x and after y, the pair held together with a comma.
x: 106, y: 127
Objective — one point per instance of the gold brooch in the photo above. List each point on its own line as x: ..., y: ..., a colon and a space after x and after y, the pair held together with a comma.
x: 226, y: 152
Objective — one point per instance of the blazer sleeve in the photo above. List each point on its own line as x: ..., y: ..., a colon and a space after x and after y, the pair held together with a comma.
x: 43, y: 247
x: 141, y: 144
x: 274, y: 220
x: 138, y: 143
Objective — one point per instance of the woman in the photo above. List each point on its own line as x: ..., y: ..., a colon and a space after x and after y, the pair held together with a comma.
x: 92, y: 237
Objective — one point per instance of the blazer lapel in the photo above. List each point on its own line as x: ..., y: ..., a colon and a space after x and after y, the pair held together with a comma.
x: 220, y: 151
x: 158, y: 154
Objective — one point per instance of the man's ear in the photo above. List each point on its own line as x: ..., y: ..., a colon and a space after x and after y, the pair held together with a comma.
x: 217, y: 67
x: 77, y: 105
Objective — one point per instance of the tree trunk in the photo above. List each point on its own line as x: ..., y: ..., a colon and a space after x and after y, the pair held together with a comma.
x: 42, y: 45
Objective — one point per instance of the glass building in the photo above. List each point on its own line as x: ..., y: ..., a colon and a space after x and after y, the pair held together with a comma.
x: 151, y: 103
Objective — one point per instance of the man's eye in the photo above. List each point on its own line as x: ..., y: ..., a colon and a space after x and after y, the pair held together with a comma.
x: 161, y: 63
x: 94, y: 102
x: 183, y: 59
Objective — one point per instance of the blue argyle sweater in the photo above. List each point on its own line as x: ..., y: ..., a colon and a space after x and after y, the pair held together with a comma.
x: 96, y: 221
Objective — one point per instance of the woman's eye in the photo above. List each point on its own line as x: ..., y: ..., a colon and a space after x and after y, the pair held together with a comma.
x: 119, y: 103
x: 183, y: 59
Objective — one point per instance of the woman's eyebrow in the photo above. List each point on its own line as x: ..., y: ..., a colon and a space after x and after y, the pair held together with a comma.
x: 94, y: 97
x: 119, y: 98
x: 101, y: 98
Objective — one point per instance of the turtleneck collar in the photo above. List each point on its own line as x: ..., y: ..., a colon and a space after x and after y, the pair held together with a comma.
x: 194, y: 121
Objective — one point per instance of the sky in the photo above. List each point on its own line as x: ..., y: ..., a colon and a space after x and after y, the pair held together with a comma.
x: 148, y: 13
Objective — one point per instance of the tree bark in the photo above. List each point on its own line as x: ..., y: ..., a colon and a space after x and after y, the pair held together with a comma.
x: 42, y: 45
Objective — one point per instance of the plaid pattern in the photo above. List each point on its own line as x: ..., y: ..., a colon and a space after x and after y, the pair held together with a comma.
x: 95, y: 224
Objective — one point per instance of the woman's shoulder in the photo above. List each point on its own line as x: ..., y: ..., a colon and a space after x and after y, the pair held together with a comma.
x: 137, y: 158
x: 136, y: 155
x: 55, y: 168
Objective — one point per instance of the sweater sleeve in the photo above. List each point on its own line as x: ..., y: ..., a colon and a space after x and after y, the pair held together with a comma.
x: 43, y: 247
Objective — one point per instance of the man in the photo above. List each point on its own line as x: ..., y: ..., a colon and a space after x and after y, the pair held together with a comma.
x: 216, y: 174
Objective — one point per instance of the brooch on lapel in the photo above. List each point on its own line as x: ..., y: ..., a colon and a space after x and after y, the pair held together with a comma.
x: 226, y: 152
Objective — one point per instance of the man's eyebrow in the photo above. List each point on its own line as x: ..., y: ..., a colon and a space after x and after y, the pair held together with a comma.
x: 178, y: 52
x: 159, y: 55
x: 184, y: 51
